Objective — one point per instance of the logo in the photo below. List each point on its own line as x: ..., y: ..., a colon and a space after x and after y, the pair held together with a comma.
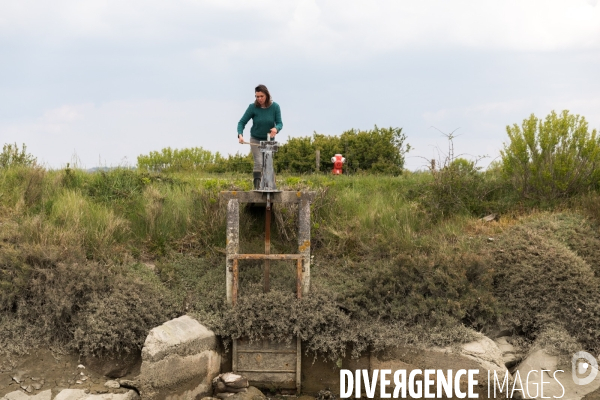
x: 581, y: 368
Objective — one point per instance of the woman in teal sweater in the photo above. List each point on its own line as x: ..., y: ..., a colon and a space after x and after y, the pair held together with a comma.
x: 266, y: 121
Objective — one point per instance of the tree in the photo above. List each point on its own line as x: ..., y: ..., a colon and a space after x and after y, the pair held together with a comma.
x: 551, y: 158
x: 380, y: 150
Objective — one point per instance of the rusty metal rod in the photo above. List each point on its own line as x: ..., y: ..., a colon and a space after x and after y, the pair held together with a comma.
x: 267, y: 270
x: 266, y: 257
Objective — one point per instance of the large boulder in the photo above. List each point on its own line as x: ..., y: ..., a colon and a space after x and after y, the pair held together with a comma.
x: 482, y: 354
x: 179, y: 360
x: 79, y: 394
x: 19, y: 395
x: 564, y: 388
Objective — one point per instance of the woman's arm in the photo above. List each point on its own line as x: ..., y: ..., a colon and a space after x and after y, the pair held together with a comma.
x: 244, y: 120
x: 278, y: 121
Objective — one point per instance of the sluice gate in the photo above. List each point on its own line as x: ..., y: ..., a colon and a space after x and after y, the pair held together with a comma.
x: 266, y: 363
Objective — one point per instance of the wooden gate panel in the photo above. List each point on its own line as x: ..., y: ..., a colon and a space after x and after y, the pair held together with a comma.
x: 268, y: 364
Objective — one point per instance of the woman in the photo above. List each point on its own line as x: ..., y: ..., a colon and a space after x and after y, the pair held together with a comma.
x: 266, y: 121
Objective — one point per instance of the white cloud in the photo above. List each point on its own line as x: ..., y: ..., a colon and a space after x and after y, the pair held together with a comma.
x: 333, y: 26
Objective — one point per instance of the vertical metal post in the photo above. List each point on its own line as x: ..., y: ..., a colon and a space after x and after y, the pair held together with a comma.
x: 299, y: 278
x: 318, y: 160
x: 298, y: 364
x: 267, y: 268
x: 234, y: 361
x: 233, y: 244
x: 304, y: 242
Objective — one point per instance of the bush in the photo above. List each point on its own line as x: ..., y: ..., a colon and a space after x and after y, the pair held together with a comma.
x: 120, y: 320
x: 418, y: 289
x: 94, y: 308
x: 552, y: 158
x: 540, y: 281
x: 459, y: 186
x: 325, y: 327
x: 11, y: 156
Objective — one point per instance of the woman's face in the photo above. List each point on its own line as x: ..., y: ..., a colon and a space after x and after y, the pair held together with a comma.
x: 261, y: 98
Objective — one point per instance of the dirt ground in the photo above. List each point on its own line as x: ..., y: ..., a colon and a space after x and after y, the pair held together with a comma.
x: 43, y: 369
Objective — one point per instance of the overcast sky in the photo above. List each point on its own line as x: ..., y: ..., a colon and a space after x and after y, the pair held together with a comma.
x: 105, y: 81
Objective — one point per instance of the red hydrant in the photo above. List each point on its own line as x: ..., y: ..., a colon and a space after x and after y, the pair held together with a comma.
x: 338, y: 161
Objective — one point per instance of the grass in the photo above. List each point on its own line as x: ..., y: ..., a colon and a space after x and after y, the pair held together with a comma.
x: 396, y: 259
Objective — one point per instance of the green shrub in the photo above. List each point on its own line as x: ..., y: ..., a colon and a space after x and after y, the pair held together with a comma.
x: 417, y: 289
x: 87, y: 306
x: 11, y: 156
x: 552, y: 158
x: 540, y: 281
x: 119, y: 321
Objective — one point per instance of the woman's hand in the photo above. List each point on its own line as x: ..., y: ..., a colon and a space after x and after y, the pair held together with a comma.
x: 241, y: 139
x: 273, y: 132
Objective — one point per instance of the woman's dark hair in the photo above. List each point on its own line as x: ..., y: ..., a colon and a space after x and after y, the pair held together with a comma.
x: 263, y: 89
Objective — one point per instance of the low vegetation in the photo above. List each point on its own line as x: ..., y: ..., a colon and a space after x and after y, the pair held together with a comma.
x: 91, y: 261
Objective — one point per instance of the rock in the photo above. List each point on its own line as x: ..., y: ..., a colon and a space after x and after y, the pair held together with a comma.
x: 78, y: 394
x: 112, y: 384
x: 81, y: 366
x: 509, y: 355
x: 232, y: 380
x: 230, y: 383
x: 541, y: 360
x: 18, y: 395
x: 37, y: 385
x: 27, y: 388
x: 489, y: 218
x: 482, y: 354
x: 179, y: 361
x: 251, y: 393
x: 325, y: 395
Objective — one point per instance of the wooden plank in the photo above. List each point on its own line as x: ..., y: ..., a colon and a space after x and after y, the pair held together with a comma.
x: 268, y: 351
x: 266, y: 257
x: 268, y: 364
x: 282, y: 362
x: 258, y: 197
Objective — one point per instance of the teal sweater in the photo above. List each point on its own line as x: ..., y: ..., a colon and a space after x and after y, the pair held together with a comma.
x: 263, y: 119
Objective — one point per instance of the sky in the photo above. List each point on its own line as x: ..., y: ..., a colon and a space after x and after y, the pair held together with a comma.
x: 99, y: 82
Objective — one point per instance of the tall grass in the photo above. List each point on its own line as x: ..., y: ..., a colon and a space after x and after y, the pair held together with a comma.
x: 383, y: 252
